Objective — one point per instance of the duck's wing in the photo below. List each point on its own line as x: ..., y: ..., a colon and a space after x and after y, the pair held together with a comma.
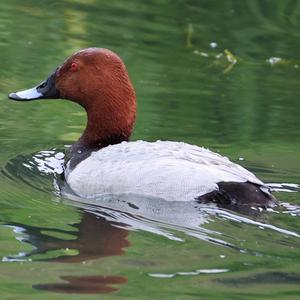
x: 205, y: 157
x: 159, y: 150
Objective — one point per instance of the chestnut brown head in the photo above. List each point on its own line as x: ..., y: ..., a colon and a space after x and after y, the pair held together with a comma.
x: 96, y: 79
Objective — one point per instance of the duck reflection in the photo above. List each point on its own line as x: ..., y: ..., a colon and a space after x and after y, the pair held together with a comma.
x: 96, y: 238
x: 84, y: 284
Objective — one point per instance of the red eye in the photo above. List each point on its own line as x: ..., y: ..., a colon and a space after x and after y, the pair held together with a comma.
x: 74, y: 66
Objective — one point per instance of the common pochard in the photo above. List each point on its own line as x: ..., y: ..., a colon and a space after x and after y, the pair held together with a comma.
x: 103, y: 161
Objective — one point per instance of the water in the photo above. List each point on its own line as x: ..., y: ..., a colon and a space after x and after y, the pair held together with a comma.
x: 222, y: 74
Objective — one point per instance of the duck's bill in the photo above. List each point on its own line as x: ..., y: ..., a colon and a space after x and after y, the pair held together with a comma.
x: 45, y: 90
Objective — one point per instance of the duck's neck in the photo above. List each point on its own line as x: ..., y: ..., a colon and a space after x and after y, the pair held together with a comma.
x: 103, y: 129
x: 106, y: 125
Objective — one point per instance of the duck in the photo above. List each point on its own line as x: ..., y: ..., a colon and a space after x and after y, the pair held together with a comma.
x: 105, y: 161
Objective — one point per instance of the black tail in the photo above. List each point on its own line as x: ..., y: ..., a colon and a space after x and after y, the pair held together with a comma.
x: 239, y: 196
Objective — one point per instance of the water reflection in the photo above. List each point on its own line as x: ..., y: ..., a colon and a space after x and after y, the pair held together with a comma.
x: 84, y: 284
x: 264, y: 278
x: 96, y: 238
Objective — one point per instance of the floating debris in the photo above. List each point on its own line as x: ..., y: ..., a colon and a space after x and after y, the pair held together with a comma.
x: 190, y: 31
x: 225, y: 59
x: 213, y: 45
x: 274, y: 60
x: 230, y: 57
x: 197, y: 52
x: 218, y: 56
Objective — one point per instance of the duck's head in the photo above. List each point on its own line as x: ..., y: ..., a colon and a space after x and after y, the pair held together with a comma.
x: 97, y: 79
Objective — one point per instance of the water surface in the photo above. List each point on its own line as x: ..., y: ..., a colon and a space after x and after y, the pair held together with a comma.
x: 222, y: 74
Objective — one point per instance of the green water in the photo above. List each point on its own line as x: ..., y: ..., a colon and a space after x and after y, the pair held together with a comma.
x: 206, y: 73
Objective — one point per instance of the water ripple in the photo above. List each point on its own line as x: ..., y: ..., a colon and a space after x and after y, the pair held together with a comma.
x: 175, y: 221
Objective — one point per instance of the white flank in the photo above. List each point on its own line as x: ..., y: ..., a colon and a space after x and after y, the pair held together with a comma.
x: 169, y: 170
